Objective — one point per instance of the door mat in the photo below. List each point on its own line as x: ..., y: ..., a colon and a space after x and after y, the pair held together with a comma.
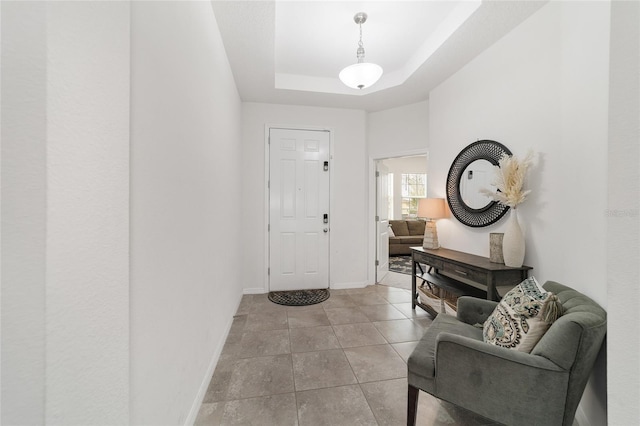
x: 299, y: 297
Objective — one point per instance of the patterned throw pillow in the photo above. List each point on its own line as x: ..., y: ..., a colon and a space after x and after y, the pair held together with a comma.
x: 522, y: 317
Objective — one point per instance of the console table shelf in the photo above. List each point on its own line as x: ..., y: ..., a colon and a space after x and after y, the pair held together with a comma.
x: 451, y: 286
x: 458, y: 273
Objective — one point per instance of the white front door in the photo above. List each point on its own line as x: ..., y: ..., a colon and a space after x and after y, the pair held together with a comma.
x: 382, y: 221
x: 298, y: 209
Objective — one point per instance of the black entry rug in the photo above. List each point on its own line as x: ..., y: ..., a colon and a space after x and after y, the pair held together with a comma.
x: 299, y: 297
x: 402, y: 264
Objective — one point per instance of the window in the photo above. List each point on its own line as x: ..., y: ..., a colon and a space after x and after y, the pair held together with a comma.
x: 414, y: 187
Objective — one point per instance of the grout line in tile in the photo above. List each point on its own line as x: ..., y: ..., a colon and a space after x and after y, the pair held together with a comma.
x: 295, y: 401
x: 352, y: 370
x: 293, y: 375
x: 252, y: 397
x: 369, y: 404
x: 295, y: 390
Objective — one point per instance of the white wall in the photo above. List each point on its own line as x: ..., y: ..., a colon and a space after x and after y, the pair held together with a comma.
x: 623, y: 223
x: 348, y: 260
x: 393, y: 132
x: 23, y: 212
x: 399, y: 166
x: 66, y: 148
x: 87, y: 294
x: 186, y: 209
x: 398, y: 131
x: 544, y: 86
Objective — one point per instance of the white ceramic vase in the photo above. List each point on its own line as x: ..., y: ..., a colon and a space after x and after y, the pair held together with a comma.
x: 513, y: 242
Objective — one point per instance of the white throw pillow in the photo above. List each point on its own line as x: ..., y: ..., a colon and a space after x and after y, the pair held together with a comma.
x: 522, y: 317
x: 391, y: 234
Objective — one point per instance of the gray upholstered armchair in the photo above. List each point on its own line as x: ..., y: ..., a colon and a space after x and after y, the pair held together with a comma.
x: 543, y: 387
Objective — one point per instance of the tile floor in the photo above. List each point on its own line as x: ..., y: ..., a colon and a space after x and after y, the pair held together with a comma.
x: 341, y: 362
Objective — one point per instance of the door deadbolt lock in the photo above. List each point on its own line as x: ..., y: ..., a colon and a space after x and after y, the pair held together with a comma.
x: 325, y: 218
x: 326, y: 166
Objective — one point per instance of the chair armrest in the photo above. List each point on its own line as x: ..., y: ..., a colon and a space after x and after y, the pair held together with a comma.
x: 473, y: 310
x: 461, y: 343
x: 483, y: 378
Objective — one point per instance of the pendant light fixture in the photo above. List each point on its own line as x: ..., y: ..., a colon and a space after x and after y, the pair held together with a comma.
x: 361, y: 74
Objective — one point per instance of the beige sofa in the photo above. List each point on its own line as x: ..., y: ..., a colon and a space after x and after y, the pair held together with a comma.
x: 408, y: 233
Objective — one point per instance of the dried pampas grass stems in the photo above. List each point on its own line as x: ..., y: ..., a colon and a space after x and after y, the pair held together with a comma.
x: 509, y: 180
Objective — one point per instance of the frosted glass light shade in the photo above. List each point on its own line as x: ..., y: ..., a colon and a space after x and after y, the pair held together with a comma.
x: 361, y: 75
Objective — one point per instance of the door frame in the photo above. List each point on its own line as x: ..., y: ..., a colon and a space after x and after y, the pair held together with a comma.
x: 373, y: 200
x: 377, y: 219
x: 267, y: 170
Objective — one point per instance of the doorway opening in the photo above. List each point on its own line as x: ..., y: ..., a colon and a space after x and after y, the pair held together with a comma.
x: 400, y: 183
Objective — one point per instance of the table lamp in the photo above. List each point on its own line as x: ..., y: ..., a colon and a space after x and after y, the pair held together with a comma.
x: 431, y: 209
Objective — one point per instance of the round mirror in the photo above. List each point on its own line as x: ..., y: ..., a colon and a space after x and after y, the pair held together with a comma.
x: 476, y: 176
x: 472, y: 170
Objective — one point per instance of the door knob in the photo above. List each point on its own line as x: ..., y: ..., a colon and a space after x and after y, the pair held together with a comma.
x: 326, y: 230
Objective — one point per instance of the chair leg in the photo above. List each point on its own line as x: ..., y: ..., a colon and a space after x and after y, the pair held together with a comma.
x: 412, y: 405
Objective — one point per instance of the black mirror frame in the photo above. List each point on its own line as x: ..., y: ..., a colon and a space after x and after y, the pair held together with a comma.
x: 488, y: 150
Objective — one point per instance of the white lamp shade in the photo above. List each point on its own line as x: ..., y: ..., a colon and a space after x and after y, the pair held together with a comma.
x: 359, y: 76
x: 431, y: 208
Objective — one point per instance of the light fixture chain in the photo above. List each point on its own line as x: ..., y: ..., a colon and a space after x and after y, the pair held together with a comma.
x: 360, y: 51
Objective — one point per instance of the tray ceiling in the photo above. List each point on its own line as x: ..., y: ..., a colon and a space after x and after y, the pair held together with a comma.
x: 292, y: 51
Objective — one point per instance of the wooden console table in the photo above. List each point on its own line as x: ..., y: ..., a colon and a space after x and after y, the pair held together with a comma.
x: 461, y: 273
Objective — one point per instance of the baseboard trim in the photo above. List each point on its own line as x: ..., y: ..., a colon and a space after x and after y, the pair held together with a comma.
x: 342, y: 286
x: 334, y: 286
x: 197, y: 403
